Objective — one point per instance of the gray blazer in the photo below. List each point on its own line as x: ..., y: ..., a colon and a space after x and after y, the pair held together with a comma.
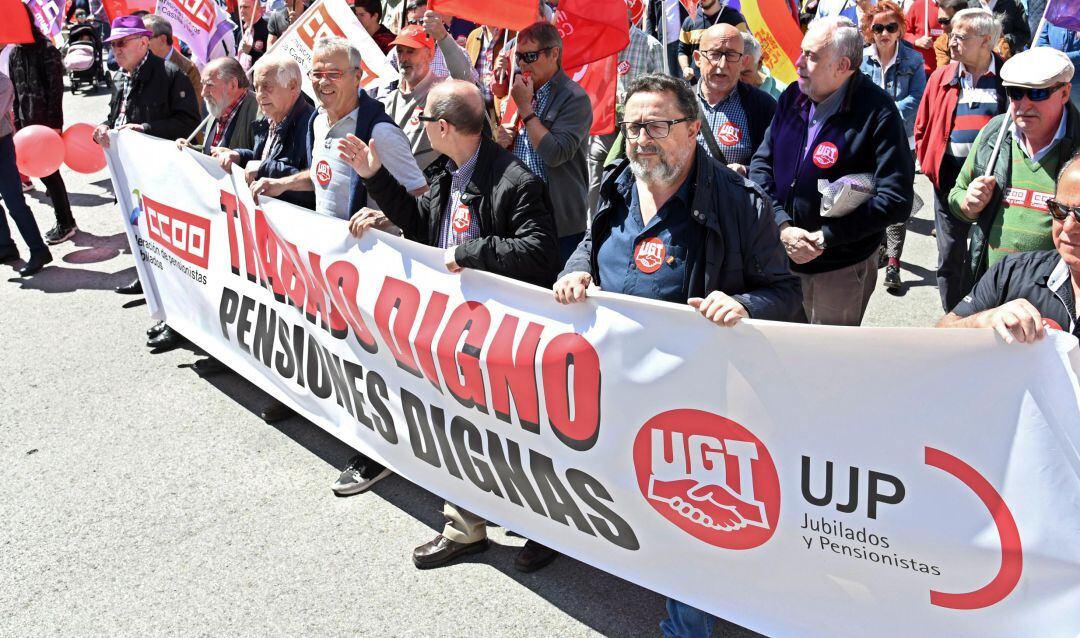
x: 568, y: 119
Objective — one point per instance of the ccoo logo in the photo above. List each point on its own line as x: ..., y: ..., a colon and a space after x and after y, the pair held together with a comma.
x: 709, y: 476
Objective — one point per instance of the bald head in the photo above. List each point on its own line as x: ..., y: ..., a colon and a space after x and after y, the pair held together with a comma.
x: 459, y: 103
x: 722, y: 36
x: 719, y: 57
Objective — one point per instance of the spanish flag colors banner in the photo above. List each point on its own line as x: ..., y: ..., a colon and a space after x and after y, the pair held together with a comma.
x: 779, y: 35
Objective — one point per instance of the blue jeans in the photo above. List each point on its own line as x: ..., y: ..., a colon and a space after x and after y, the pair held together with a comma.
x: 11, y: 192
x: 685, y: 621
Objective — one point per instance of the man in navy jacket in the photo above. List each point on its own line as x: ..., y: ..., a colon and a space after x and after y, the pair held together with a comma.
x: 834, y: 122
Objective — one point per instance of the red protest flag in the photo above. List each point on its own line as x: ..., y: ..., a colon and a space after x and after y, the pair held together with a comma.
x: 600, y: 80
x: 510, y: 14
x: 15, y: 26
x: 119, y: 8
x: 591, y: 30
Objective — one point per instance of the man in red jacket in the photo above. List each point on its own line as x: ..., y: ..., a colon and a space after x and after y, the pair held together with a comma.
x: 960, y: 99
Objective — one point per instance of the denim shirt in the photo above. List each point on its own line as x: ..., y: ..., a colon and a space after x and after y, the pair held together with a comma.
x: 905, y: 80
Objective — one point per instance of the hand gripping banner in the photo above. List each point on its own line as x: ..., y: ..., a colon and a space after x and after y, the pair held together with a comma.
x: 770, y: 473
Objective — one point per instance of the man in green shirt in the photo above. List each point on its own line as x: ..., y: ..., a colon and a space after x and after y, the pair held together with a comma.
x: 1010, y: 173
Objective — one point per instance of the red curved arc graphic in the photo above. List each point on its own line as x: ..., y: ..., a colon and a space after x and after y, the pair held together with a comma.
x: 1012, y: 554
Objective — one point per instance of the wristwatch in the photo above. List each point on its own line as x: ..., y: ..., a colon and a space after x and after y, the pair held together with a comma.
x: 525, y: 120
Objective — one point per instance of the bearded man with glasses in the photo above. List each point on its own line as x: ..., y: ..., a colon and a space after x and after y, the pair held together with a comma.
x: 1007, y: 179
x: 1024, y: 294
x: 676, y: 225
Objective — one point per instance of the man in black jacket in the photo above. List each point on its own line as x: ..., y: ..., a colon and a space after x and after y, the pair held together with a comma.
x: 155, y: 97
x: 833, y: 123
x: 488, y: 212
x: 737, y: 114
x: 676, y: 225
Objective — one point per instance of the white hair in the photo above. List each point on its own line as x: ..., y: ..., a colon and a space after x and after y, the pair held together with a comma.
x: 981, y: 22
x: 845, y: 37
x: 282, y: 68
x: 751, y: 46
x: 333, y: 44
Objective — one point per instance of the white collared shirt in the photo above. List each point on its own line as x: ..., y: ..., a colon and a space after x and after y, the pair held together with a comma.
x: 1038, y: 154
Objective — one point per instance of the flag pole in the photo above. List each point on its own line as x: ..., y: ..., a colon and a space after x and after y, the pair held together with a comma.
x: 997, y: 145
x: 1042, y: 25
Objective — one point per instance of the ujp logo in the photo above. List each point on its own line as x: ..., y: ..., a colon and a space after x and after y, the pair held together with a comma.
x: 649, y: 255
x: 709, y: 476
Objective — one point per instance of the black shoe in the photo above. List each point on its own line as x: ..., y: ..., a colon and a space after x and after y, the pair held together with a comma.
x: 208, y: 366
x: 34, y: 265
x: 9, y: 255
x: 892, y: 277
x: 442, y: 550
x: 58, y: 234
x: 533, y: 556
x: 275, y: 411
x: 133, y: 288
x: 155, y: 329
x: 882, y: 258
x: 167, y: 339
x: 361, y: 474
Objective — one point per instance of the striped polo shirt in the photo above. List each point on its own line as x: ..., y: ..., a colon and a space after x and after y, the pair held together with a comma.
x: 977, y: 105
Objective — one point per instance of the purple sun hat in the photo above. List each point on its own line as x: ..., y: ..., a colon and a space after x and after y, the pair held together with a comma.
x: 126, y: 26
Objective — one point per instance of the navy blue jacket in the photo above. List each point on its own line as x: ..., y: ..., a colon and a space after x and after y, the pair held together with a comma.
x: 290, y: 153
x: 369, y: 113
x: 742, y: 255
x: 868, y: 135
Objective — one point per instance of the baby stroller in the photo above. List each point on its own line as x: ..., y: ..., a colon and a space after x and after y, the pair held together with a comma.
x: 83, y: 56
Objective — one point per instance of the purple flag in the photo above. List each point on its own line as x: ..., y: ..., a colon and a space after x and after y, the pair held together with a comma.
x: 1064, y: 13
x: 49, y: 18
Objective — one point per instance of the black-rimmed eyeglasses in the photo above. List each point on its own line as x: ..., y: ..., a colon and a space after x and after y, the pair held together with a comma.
x: 656, y: 129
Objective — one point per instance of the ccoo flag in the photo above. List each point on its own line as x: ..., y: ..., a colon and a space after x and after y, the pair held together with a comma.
x: 199, y: 23
x: 1064, y: 13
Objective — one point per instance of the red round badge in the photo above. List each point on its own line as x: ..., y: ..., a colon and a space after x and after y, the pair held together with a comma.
x: 624, y: 67
x: 1050, y: 323
x: 729, y: 134
x: 323, y: 173
x: 462, y: 219
x: 709, y: 476
x: 649, y: 255
x: 825, y: 155
x: 415, y: 119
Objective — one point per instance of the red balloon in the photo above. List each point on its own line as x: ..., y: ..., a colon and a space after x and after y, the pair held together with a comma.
x: 39, y: 150
x: 81, y: 153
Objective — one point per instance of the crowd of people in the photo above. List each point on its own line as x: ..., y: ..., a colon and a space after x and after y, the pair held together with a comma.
x: 714, y: 190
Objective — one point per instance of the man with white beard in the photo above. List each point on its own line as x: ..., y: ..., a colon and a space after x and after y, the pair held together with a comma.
x: 674, y: 224
x: 230, y: 103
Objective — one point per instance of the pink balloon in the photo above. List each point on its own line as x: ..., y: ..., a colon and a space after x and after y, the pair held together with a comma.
x: 81, y: 153
x: 39, y: 150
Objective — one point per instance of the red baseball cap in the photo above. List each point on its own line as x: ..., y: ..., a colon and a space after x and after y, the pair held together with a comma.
x: 414, y: 37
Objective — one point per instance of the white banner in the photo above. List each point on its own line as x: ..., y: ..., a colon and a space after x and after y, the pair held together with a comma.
x: 334, y: 18
x: 200, y: 23
x: 798, y: 480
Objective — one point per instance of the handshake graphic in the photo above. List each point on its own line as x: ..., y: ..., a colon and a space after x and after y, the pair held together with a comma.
x: 708, y: 504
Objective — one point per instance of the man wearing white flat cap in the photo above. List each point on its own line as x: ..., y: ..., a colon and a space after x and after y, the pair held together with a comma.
x: 1012, y: 169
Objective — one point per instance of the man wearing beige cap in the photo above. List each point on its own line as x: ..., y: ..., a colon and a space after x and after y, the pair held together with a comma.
x: 1011, y: 171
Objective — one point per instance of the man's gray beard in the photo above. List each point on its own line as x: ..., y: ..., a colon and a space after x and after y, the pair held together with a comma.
x: 662, y: 173
x: 212, y: 109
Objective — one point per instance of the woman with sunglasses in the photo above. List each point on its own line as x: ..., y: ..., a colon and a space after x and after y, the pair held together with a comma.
x: 896, y: 67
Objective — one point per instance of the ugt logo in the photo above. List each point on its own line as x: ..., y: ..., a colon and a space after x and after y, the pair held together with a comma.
x: 709, y: 476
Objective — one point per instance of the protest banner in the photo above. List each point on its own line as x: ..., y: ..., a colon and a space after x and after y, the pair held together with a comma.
x: 772, y: 474
x: 334, y: 18
x: 200, y: 23
x: 49, y: 17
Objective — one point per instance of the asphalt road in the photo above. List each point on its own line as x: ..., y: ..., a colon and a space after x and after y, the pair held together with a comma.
x: 140, y: 499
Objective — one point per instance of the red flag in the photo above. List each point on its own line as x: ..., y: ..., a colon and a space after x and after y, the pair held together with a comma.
x: 15, y: 25
x: 600, y: 79
x: 510, y: 14
x: 118, y: 8
x: 591, y: 30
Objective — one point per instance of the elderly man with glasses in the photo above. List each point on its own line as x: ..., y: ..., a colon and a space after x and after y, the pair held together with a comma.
x: 674, y: 224
x: 737, y: 113
x: 1023, y: 294
x: 1007, y: 179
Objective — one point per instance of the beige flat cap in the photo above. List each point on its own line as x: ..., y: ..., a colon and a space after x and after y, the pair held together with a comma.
x: 1038, y: 68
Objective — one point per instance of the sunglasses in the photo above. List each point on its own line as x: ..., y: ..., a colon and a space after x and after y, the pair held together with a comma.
x: 944, y: 21
x: 529, y: 57
x: 1061, y: 212
x: 1035, y: 95
x: 892, y: 27
x: 428, y: 118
